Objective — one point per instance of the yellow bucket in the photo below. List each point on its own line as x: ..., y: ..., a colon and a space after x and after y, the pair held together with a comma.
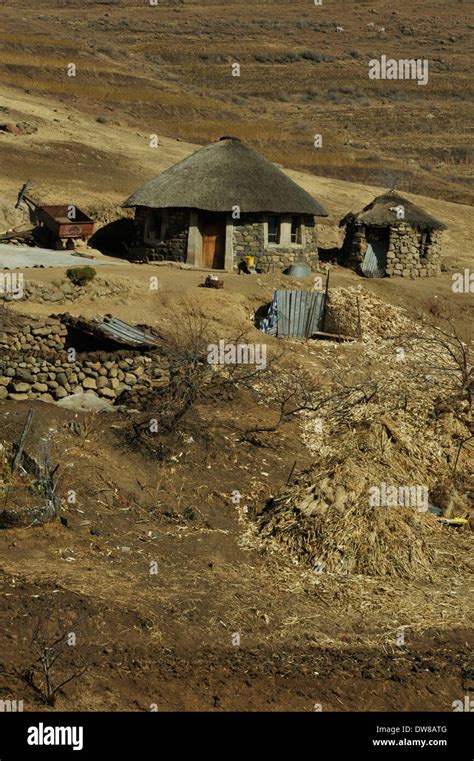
x: 250, y: 261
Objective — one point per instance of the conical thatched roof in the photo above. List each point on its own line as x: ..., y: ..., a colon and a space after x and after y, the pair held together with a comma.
x: 223, y: 175
x: 381, y: 212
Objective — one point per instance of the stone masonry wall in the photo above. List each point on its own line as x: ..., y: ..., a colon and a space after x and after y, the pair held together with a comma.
x: 52, y: 377
x: 249, y: 240
x: 176, y: 235
x: 404, y: 255
x: 175, y: 244
x: 35, y: 365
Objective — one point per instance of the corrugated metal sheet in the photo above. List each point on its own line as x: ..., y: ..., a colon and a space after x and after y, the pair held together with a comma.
x: 375, y: 260
x: 125, y: 333
x: 299, y: 313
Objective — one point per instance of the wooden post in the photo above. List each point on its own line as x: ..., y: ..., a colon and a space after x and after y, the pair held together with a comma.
x: 359, y: 326
x: 326, y: 294
x: 21, y: 443
x: 291, y: 473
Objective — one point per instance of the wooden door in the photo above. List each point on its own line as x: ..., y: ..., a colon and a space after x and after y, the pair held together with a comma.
x: 213, y: 241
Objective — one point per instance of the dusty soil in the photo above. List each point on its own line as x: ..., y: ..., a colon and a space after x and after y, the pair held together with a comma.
x: 167, y: 639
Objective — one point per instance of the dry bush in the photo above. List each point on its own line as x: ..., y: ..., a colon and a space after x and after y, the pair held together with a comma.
x: 443, y: 361
x: 193, y: 381
x: 49, y: 640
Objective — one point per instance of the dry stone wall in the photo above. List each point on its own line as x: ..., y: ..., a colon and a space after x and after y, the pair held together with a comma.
x: 61, y: 291
x: 23, y: 336
x: 34, y: 364
x: 406, y: 256
x: 53, y: 377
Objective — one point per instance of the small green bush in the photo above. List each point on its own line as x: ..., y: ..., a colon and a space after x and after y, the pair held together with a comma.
x: 81, y: 275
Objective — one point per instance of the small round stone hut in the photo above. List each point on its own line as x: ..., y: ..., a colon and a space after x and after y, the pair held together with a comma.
x: 392, y: 236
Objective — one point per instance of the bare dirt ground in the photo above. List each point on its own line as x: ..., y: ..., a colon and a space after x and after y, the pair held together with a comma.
x: 168, y: 639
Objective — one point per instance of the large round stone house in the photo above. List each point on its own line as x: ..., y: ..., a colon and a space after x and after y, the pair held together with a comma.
x: 222, y: 203
x: 392, y: 236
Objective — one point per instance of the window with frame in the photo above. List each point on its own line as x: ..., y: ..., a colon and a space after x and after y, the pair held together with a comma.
x: 274, y: 229
x: 296, y: 235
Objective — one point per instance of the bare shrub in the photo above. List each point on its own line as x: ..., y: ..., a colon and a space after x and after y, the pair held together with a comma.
x: 193, y: 381
x: 50, y: 640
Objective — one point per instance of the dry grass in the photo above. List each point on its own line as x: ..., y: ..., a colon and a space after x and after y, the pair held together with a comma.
x: 280, y: 100
x: 356, y: 539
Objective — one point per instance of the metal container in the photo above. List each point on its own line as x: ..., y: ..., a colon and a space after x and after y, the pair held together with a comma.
x: 300, y: 269
x: 56, y: 219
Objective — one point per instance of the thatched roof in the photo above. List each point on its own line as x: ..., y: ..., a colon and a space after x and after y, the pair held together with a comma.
x: 381, y: 212
x: 223, y: 175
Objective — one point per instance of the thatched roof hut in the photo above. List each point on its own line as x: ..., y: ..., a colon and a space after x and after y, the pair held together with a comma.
x: 223, y: 175
x: 382, y: 212
x: 226, y: 206
x: 393, y: 236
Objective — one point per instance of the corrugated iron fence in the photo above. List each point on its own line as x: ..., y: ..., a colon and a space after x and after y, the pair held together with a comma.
x: 295, y: 313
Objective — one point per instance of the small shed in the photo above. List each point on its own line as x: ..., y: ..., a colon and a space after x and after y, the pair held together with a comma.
x: 392, y: 236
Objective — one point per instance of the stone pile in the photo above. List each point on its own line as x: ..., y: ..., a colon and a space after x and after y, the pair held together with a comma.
x: 59, y: 291
x: 23, y: 336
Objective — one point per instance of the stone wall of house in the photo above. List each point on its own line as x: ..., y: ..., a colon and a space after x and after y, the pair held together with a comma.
x: 174, y: 246
x: 249, y: 240
x: 248, y: 237
x: 35, y: 365
x: 176, y: 235
x: 354, y: 246
x: 404, y: 254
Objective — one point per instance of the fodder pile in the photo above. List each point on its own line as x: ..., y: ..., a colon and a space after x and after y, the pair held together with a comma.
x: 332, y: 519
x: 355, y: 539
x: 378, y: 319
